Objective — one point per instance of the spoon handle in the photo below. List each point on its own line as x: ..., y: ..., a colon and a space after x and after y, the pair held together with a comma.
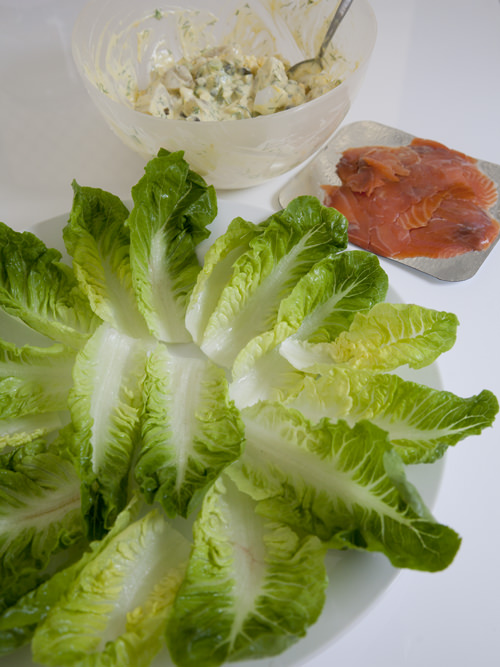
x: 339, y: 15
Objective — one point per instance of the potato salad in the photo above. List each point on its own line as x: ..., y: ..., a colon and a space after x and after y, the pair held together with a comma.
x: 222, y: 83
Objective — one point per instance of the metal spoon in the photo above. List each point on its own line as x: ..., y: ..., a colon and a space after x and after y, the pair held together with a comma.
x: 315, y: 65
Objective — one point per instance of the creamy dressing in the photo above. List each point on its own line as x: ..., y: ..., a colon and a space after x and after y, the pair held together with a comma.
x: 223, y: 83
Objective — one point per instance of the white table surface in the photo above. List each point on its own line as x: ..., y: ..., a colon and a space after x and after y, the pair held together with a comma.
x: 435, y: 73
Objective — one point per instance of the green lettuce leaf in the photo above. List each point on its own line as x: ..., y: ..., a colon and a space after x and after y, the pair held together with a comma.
x: 39, y: 516
x: 321, y: 305
x: 20, y: 431
x: 253, y: 585
x: 172, y: 208
x: 41, y: 291
x: 341, y: 484
x: 261, y: 373
x: 291, y: 242
x: 325, y: 301
x: 19, y: 621
x: 190, y: 429
x: 421, y: 422
x: 387, y: 336
x: 99, y: 242
x: 105, y: 404
x: 125, y: 594
x: 216, y: 272
x: 34, y: 387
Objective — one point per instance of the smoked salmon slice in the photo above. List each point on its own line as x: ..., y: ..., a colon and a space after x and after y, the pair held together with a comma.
x: 367, y: 168
x: 475, y: 230
x: 423, y: 199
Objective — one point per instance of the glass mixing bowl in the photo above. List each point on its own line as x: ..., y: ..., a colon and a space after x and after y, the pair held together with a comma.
x: 114, y: 41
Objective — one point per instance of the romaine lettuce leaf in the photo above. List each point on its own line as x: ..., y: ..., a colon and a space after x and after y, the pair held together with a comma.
x: 216, y: 272
x: 253, y: 585
x: 389, y: 335
x: 99, y: 242
x: 290, y: 244
x: 19, y: 431
x: 34, y: 386
x: 41, y: 291
x: 39, y: 516
x: 116, y: 609
x: 105, y: 403
x: 172, y: 208
x: 19, y: 621
x: 341, y: 484
x: 325, y: 301
x: 190, y: 429
x: 261, y: 373
x: 321, y: 305
x: 421, y: 422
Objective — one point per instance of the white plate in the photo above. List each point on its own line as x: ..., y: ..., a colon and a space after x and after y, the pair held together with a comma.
x: 356, y: 579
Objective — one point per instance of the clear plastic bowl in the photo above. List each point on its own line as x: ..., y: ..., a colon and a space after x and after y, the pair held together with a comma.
x: 113, y: 41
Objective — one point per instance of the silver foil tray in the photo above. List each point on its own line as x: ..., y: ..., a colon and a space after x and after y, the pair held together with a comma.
x: 321, y: 171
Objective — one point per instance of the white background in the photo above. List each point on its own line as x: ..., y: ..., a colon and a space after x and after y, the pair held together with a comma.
x: 435, y: 73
